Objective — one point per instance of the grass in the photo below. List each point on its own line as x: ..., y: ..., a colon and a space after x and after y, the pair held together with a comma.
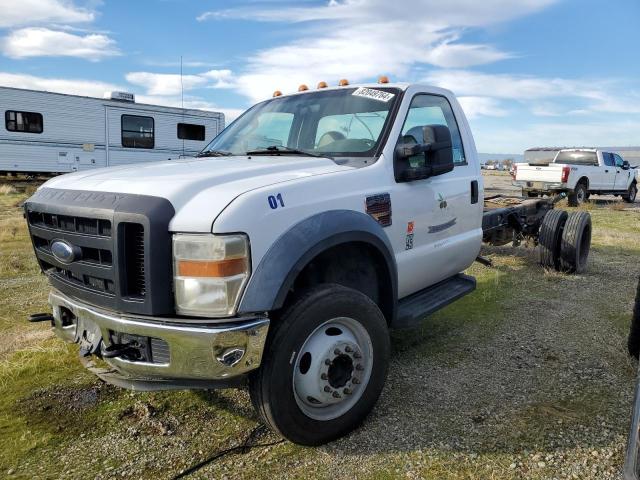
x: 57, y: 420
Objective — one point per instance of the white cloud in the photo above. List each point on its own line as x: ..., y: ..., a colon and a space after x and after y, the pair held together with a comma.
x: 43, y: 42
x: 23, y: 12
x: 482, y: 106
x: 544, y: 96
x: 173, y: 83
x: 87, y: 88
x: 359, y: 39
x: 230, y: 114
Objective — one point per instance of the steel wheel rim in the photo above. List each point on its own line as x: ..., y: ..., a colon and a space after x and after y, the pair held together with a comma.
x: 581, y: 195
x: 332, y: 369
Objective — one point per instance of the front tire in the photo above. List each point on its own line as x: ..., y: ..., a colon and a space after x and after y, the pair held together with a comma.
x: 324, y: 365
x: 631, y: 194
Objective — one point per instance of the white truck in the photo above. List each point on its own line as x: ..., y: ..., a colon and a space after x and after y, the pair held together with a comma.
x: 579, y: 172
x: 282, y: 255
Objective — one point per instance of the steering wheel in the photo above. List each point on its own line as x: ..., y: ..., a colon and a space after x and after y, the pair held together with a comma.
x: 329, y: 137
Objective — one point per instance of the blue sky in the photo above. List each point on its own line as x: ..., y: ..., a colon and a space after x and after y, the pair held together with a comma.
x: 528, y: 72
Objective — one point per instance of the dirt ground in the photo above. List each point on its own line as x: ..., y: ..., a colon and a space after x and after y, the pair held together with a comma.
x: 527, y: 377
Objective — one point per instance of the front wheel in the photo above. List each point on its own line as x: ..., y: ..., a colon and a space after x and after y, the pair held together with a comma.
x: 631, y: 194
x: 324, y: 365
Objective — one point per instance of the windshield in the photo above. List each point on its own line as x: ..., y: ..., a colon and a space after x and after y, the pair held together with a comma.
x: 332, y: 123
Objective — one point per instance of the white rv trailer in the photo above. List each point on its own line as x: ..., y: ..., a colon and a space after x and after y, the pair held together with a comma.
x: 54, y: 133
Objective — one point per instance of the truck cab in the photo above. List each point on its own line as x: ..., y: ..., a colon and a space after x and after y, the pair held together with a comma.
x: 279, y: 258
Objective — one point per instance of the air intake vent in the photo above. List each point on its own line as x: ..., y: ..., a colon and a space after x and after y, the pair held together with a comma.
x: 134, y: 260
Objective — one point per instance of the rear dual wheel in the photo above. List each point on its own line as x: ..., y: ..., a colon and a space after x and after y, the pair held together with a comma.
x: 324, y: 365
x: 565, y: 240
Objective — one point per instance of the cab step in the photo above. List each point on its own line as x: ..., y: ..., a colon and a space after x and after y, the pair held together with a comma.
x: 414, y: 308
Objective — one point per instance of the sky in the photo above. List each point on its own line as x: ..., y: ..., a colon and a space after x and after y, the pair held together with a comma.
x: 527, y: 72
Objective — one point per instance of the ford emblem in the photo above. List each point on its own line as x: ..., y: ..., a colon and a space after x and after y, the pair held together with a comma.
x: 63, y: 251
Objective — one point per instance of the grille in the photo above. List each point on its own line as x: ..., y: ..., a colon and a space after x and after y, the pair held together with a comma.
x: 94, y: 270
x: 134, y: 258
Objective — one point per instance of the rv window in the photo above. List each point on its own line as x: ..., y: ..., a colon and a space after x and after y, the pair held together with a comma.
x: 28, y: 122
x: 137, y: 132
x: 190, y: 131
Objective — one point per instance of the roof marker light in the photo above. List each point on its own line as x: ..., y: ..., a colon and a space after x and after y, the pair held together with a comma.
x: 322, y: 84
x: 383, y: 79
x: 343, y: 82
x: 277, y: 93
x: 302, y: 88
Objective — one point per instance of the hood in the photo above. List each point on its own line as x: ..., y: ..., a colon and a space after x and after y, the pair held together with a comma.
x: 203, y: 185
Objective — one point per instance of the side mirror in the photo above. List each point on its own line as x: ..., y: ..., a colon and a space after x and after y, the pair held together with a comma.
x: 625, y: 165
x: 438, y: 155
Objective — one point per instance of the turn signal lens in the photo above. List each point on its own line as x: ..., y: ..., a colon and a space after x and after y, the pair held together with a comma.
x: 343, y: 83
x: 322, y: 85
x: 383, y: 79
x: 221, y: 268
x: 277, y: 93
x: 302, y: 88
x: 565, y: 174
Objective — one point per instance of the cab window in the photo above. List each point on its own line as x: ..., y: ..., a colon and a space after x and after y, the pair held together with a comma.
x: 431, y: 110
x: 608, y: 159
x: 618, y: 160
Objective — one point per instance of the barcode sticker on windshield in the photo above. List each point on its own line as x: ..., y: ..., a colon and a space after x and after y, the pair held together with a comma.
x: 373, y: 94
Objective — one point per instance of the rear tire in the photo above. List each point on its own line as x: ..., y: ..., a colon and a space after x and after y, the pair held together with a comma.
x: 550, y: 238
x: 576, y: 242
x: 532, y: 195
x: 323, y: 367
x: 633, y: 341
x: 631, y: 194
x: 579, y: 195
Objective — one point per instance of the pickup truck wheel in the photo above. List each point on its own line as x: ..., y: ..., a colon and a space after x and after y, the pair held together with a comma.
x: 631, y: 194
x: 576, y: 242
x: 324, y: 365
x: 550, y: 238
x: 579, y: 195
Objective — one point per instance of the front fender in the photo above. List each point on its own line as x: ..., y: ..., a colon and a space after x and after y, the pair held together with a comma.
x: 294, y: 249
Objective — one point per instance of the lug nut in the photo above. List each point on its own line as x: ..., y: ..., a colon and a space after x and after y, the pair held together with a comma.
x: 324, y: 376
x: 337, y: 351
x: 348, y: 349
x: 336, y: 395
x: 359, y: 367
x: 355, y: 380
x: 327, y: 362
x: 327, y: 388
x: 347, y: 391
x: 357, y: 355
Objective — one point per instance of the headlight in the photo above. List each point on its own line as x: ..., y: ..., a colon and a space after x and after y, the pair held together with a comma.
x: 210, y: 272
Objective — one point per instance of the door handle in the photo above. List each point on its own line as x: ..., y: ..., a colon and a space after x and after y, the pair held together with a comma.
x: 474, y: 191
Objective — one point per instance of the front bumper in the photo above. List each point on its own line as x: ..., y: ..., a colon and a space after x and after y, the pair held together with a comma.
x: 180, y: 355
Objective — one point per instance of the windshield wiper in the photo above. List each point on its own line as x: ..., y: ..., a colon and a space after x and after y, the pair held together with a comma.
x: 214, y: 153
x: 277, y: 149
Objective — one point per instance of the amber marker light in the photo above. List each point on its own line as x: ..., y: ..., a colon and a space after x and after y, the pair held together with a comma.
x: 383, y: 79
x: 277, y: 93
x: 343, y: 82
x: 322, y: 84
x: 216, y: 269
x: 302, y: 88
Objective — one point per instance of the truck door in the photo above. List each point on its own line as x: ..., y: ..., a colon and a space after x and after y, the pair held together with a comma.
x: 607, y: 175
x: 622, y: 176
x: 435, y: 230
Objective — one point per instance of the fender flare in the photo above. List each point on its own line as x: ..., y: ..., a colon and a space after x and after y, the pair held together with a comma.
x: 294, y: 249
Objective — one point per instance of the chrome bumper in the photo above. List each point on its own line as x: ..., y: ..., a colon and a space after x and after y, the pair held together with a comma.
x: 191, y: 355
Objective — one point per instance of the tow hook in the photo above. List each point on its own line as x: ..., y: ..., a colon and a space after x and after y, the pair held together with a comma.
x: 40, y: 317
